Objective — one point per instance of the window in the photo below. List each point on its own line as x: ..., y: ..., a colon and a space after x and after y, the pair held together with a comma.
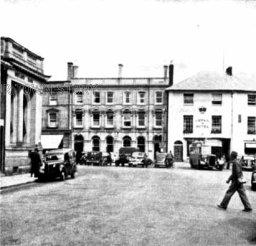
x: 110, y: 144
x: 127, y: 97
x: 127, y: 119
x: 53, y: 98
x: 217, y: 98
x: 79, y: 97
x: 141, y: 144
x: 110, y: 119
x: 52, y: 122
x: 96, y: 119
x: 159, y: 97
x: 110, y: 97
x: 251, y: 123
x: 187, y: 124
x: 127, y: 142
x: 158, y: 118
x: 188, y: 99
x: 95, y: 143
x: 251, y: 99
x: 96, y: 97
x: 79, y: 119
x: 216, y: 124
x: 141, y: 119
x: 141, y: 97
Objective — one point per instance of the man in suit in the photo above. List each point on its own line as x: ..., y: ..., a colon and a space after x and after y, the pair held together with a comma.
x: 235, y: 185
x: 35, y: 162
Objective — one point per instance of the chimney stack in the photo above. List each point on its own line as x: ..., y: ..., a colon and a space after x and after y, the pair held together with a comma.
x: 75, y: 71
x: 229, y: 71
x: 120, y: 70
x: 70, y: 71
x: 171, y: 68
x: 165, y: 71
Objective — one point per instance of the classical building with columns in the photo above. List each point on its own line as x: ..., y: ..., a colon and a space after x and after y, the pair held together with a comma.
x: 22, y: 78
x: 106, y: 114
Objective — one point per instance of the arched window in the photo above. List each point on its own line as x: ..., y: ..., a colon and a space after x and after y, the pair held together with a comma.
x: 141, y: 143
x: 95, y: 143
x: 110, y: 144
x: 127, y: 141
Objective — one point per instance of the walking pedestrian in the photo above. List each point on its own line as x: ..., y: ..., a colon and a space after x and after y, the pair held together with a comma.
x: 169, y: 159
x: 35, y: 163
x: 235, y: 185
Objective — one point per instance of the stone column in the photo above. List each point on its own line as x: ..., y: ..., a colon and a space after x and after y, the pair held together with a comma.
x: 20, y: 114
x: 14, y: 115
x: 8, y: 112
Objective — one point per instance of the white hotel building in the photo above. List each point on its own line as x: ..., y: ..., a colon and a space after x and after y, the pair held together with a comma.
x: 219, y: 109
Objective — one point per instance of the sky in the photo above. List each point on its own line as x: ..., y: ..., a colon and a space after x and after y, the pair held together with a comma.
x: 143, y: 35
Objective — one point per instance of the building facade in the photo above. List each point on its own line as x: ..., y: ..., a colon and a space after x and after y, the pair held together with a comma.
x: 22, y: 76
x: 109, y: 113
x: 217, y: 109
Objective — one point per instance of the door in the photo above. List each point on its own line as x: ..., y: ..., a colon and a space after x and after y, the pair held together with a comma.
x: 178, y: 151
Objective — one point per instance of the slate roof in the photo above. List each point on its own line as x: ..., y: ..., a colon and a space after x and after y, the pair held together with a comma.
x: 213, y: 81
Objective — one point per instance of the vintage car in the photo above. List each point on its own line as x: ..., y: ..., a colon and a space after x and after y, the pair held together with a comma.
x: 94, y: 158
x: 200, y: 157
x: 248, y: 162
x: 138, y: 159
x: 125, y: 154
x: 253, y: 179
x: 161, y: 160
x: 58, y: 163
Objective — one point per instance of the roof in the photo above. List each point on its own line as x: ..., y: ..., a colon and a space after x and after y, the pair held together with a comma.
x: 213, y: 81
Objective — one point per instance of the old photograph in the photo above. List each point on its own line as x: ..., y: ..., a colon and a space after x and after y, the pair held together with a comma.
x: 128, y: 122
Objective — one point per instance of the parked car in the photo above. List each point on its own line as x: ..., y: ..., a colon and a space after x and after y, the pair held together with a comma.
x: 83, y: 158
x: 201, y: 157
x: 253, y: 179
x: 125, y: 154
x: 94, y: 158
x: 106, y: 159
x: 137, y: 159
x: 248, y: 162
x: 59, y: 163
x: 161, y: 160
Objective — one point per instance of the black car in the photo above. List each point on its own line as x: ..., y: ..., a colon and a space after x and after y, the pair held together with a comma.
x: 59, y: 163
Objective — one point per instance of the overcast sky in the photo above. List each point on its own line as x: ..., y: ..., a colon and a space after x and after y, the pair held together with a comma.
x: 143, y: 35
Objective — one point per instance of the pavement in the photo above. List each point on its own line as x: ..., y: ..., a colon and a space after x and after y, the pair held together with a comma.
x: 15, y: 180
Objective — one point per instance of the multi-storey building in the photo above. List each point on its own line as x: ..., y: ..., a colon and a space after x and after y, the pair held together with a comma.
x: 22, y: 76
x: 219, y: 109
x: 109, y: 113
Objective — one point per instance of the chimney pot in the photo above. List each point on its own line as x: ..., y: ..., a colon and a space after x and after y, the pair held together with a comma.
x: 75, y: 71
x: 165, y: 71
x: 171, y: 68
x: 120, y: 70
x: 70, y: 71
x: 229, y: 71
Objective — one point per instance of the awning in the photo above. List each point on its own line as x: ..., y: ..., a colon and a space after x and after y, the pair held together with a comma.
x: 51, y: 141
x: 250, y: 145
